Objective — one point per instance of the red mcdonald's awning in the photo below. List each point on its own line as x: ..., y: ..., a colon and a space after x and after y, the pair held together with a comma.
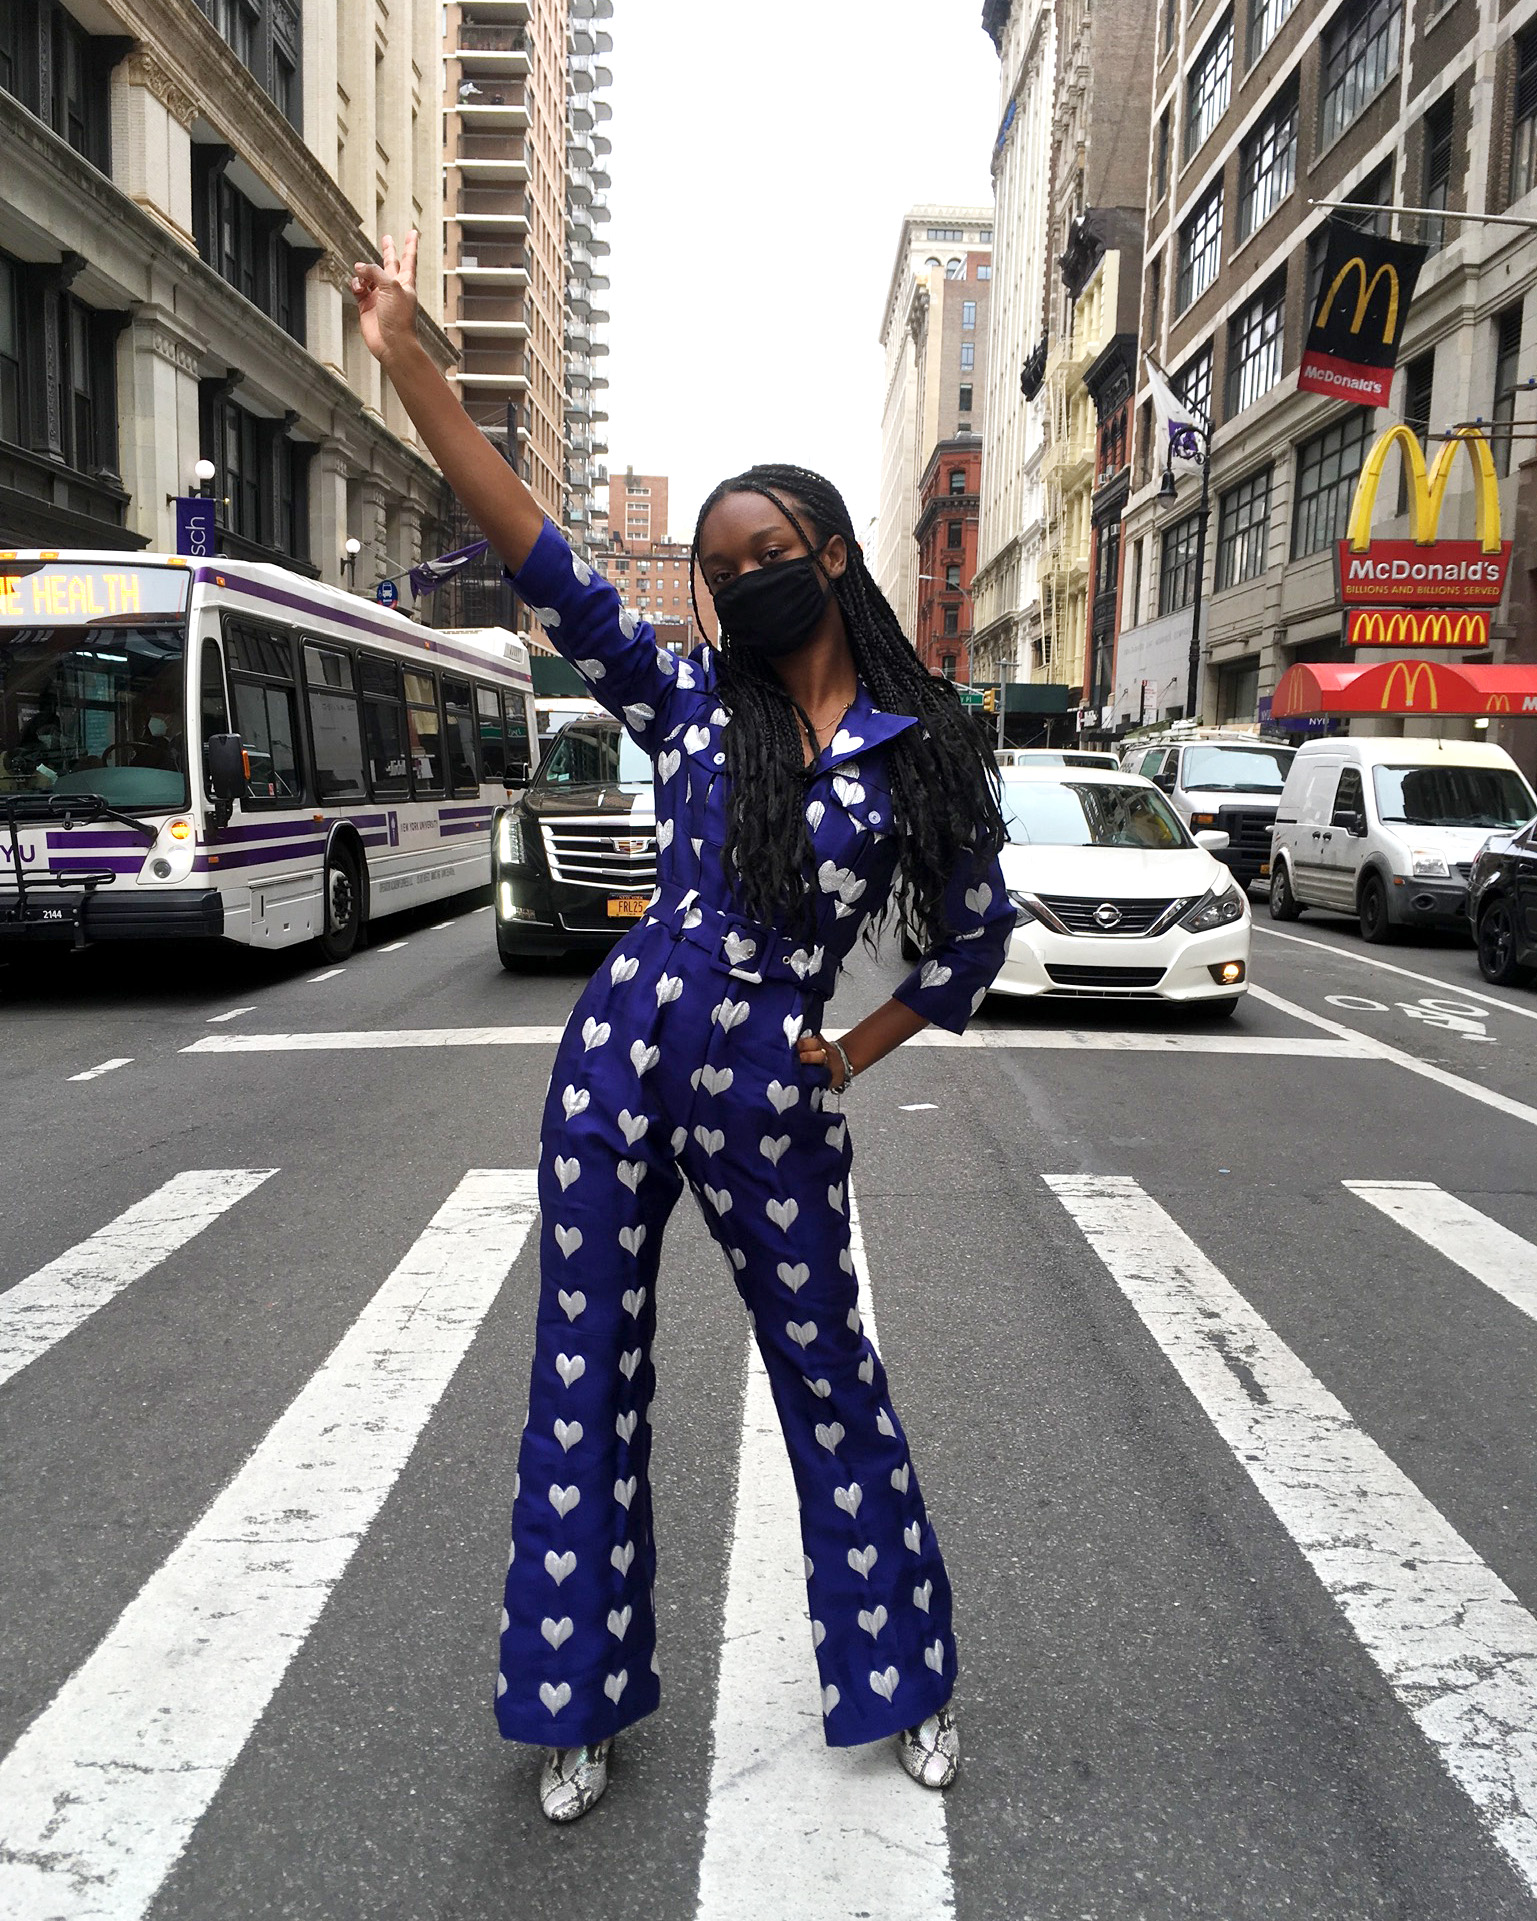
x: 1404, y: 687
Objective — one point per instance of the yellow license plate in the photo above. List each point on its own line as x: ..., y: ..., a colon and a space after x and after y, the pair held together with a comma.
x: 627, y: 907
x: 1264, y: 869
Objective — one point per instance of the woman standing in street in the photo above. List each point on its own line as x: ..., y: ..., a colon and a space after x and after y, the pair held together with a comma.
x: 809, y: 772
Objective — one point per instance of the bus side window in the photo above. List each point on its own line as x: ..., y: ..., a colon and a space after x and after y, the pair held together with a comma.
x: 493, y: 747
x: 384, y: 718
x: 518, y: 767
x: 459, y: 738
x: 335, y: 732
x: 266, y: 714
x: 426, y: 735
x: 213, y: 701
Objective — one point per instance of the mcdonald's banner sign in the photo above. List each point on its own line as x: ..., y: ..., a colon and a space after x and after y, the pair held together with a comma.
x: 1363, y: 302
x: 1413, y: 627
x: 1424, y: 571
x: 1404, y: 687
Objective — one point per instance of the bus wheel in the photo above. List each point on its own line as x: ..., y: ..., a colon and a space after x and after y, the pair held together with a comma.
x: 343, y: 894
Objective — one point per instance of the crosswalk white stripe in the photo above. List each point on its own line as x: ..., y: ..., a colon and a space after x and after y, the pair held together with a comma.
x: 53, y: 1301
x: 101, y: 1794
x: 1480, y: 1246
x: 794, y: 1827
x: 1454, y: 1643
x: 1289, y: 1046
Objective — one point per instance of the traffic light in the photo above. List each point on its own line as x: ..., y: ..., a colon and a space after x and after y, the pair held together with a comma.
x: 990, y: 700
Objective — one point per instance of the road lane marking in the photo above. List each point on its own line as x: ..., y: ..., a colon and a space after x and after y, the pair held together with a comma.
x: 792, y: 1826
x: 1387, y: 967
x: 1478, y: 1245
x: 1453, y: 1642
x: 1290, y: 1046
x: 101, y: 1794
x: 329, y: 974
x: 1518, y: 1110
x: 56, y: 1299
x: 232, y: 1013
x: 394, y: 947
x: 106, y: 1067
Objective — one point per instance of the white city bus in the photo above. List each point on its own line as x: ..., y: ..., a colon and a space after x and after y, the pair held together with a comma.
x: 364, y: 758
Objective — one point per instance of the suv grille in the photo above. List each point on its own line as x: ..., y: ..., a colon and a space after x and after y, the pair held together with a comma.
x: 1077, y: 912
x: 603, y: 851
x: 1108, y: 978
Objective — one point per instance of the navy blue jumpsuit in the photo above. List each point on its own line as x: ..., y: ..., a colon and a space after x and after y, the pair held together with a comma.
x: 679, y: 1064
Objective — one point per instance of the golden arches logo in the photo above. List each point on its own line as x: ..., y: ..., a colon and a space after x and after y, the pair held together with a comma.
x: 1497, y: 704
x: 1427, y: 491
x: 1411, y: 671
x: 1364, y: 290
x: 1418, y: 627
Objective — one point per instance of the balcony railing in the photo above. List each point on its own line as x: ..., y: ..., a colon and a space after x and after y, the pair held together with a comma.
x: 486, y: 256
x: 493, y: 39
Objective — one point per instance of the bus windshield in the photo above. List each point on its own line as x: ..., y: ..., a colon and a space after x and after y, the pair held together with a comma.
x: 86, y: 711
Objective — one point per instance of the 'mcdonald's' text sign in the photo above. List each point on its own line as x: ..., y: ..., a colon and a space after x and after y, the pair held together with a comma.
x: 1424, y: 571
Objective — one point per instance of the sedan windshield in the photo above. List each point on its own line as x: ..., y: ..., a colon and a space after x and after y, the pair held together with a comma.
x: 1098, y: 814
x: 1452, y: 796
x: 86, y: 711
x: 596, y: 757
x: 1236, y: 770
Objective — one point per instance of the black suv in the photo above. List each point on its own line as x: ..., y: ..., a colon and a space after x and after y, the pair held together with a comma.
x: 1502, y: 906
x: 573, y: 860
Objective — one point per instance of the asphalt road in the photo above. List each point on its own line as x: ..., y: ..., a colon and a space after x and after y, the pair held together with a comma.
x: 1233, y: 1462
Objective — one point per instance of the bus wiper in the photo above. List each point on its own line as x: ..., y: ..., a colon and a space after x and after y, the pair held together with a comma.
x: 70, y: 807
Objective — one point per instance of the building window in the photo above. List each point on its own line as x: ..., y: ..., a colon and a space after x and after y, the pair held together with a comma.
x: 243, y: 243
x: 10, y: 354
x: 1237, y: 691
x: 263, y: 35
x: 965, y: 399
x: 58, y: 372
x: 968, y: 314
x: 1193, y: 382
x: 1170, y: 24
x: 1107, y: 560
x: 968, y: 357
x: 1161, y: 156
x: 1209, y: 87
x: 1523, y: 138
x: 985, y: 270
x: 1419, y: 379
x: 1376, y: 190
x: 1360, y: 54
x: 957, y: 480
x: 947, y: 233
x: 1267, y: 166
x: 59, y: 72
x: 1176, y: 565
x: 263, y: 476
x: 1507, y: 352
x: 1327, y: 466
x: 1437, y: 169
x: 953, y: 576
x: 1200, y: 248
x: 955, y: 269
x: 1265, y: 18
x: 955, y: 533
x: 1243, y: 530
x: 1255, y: 343
x: 947, y: 666
x: 952, y: 620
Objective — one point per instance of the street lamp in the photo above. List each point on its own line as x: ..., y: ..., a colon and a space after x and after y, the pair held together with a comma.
x: 203, y: 472
x: 350, y: 560
x: 1168, y: 490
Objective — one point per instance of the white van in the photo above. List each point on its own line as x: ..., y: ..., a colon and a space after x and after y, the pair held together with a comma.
x: 1226, y: 783
x: 1387, y: 829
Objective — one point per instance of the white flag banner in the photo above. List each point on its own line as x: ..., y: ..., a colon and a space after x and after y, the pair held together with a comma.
x: 1179, y: 432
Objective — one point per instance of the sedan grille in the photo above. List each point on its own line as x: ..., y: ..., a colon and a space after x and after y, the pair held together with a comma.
x: 601, y: 851
x: 1106, y: 979
x: 1090, y: 914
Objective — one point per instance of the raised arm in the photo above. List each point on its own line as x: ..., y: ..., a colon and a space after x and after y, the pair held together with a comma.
x: 490, y: 491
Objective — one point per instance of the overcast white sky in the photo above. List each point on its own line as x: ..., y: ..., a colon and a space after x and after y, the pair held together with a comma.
x: 764, y: 154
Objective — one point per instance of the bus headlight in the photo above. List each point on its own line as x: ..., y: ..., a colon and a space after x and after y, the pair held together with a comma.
x: 171, y: 857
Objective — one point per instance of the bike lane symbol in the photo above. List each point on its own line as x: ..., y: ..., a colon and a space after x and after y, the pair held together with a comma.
x: 1454, y: 1017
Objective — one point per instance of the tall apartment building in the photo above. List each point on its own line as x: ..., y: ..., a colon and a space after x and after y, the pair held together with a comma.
x: 187, y: 187
x: 1007, y: 617
x: 948, y: 499
x: 1257, y: 114
x: 934, y: 335
x: 637, y: 506
x: 587, y: 212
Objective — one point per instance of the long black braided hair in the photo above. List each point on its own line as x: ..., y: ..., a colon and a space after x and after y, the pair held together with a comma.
x: 944, y: 782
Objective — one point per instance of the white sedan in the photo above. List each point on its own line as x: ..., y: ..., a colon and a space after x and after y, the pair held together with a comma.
x: 1114, y: 898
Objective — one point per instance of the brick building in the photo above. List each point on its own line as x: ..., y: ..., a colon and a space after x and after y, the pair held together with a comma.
x: 651, y: 572
x: 637, y: 506
x: 949, y: 503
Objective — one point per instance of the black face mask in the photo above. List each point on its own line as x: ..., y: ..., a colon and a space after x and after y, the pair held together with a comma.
x: 773, y: 610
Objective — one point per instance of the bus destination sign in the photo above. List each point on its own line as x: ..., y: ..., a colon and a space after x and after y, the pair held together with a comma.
x: 50, y: 593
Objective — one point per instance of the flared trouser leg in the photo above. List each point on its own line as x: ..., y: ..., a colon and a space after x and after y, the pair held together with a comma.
x: 578, y: 1642
x: 879, y: 1594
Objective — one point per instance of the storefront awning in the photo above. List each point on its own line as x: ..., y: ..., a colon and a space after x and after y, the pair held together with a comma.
x: 1404, y: 687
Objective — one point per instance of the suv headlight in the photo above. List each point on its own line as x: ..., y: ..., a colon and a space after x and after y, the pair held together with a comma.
x: 1220, y: 908
x: 510, y: 848
x: 1428, y: 866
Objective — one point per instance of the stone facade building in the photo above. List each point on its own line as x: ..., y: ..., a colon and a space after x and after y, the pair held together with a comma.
x: 187, y: 189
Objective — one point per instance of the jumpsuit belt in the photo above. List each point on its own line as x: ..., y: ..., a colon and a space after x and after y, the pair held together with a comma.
x: 744, y: 949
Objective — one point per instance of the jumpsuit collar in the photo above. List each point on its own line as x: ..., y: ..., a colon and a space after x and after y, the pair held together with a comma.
x: 864, y: 726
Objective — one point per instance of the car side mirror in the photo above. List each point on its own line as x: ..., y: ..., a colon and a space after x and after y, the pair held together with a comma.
x: 1165, y: 781
x: 228, y: 770
x: 1356, y: 826
x: 1213, y: 839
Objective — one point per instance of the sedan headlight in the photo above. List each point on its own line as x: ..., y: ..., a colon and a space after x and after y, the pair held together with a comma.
x: 1428, y: 866
x: 510, y: 848
x: 1220, y: 908
x: 1024, y: 913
